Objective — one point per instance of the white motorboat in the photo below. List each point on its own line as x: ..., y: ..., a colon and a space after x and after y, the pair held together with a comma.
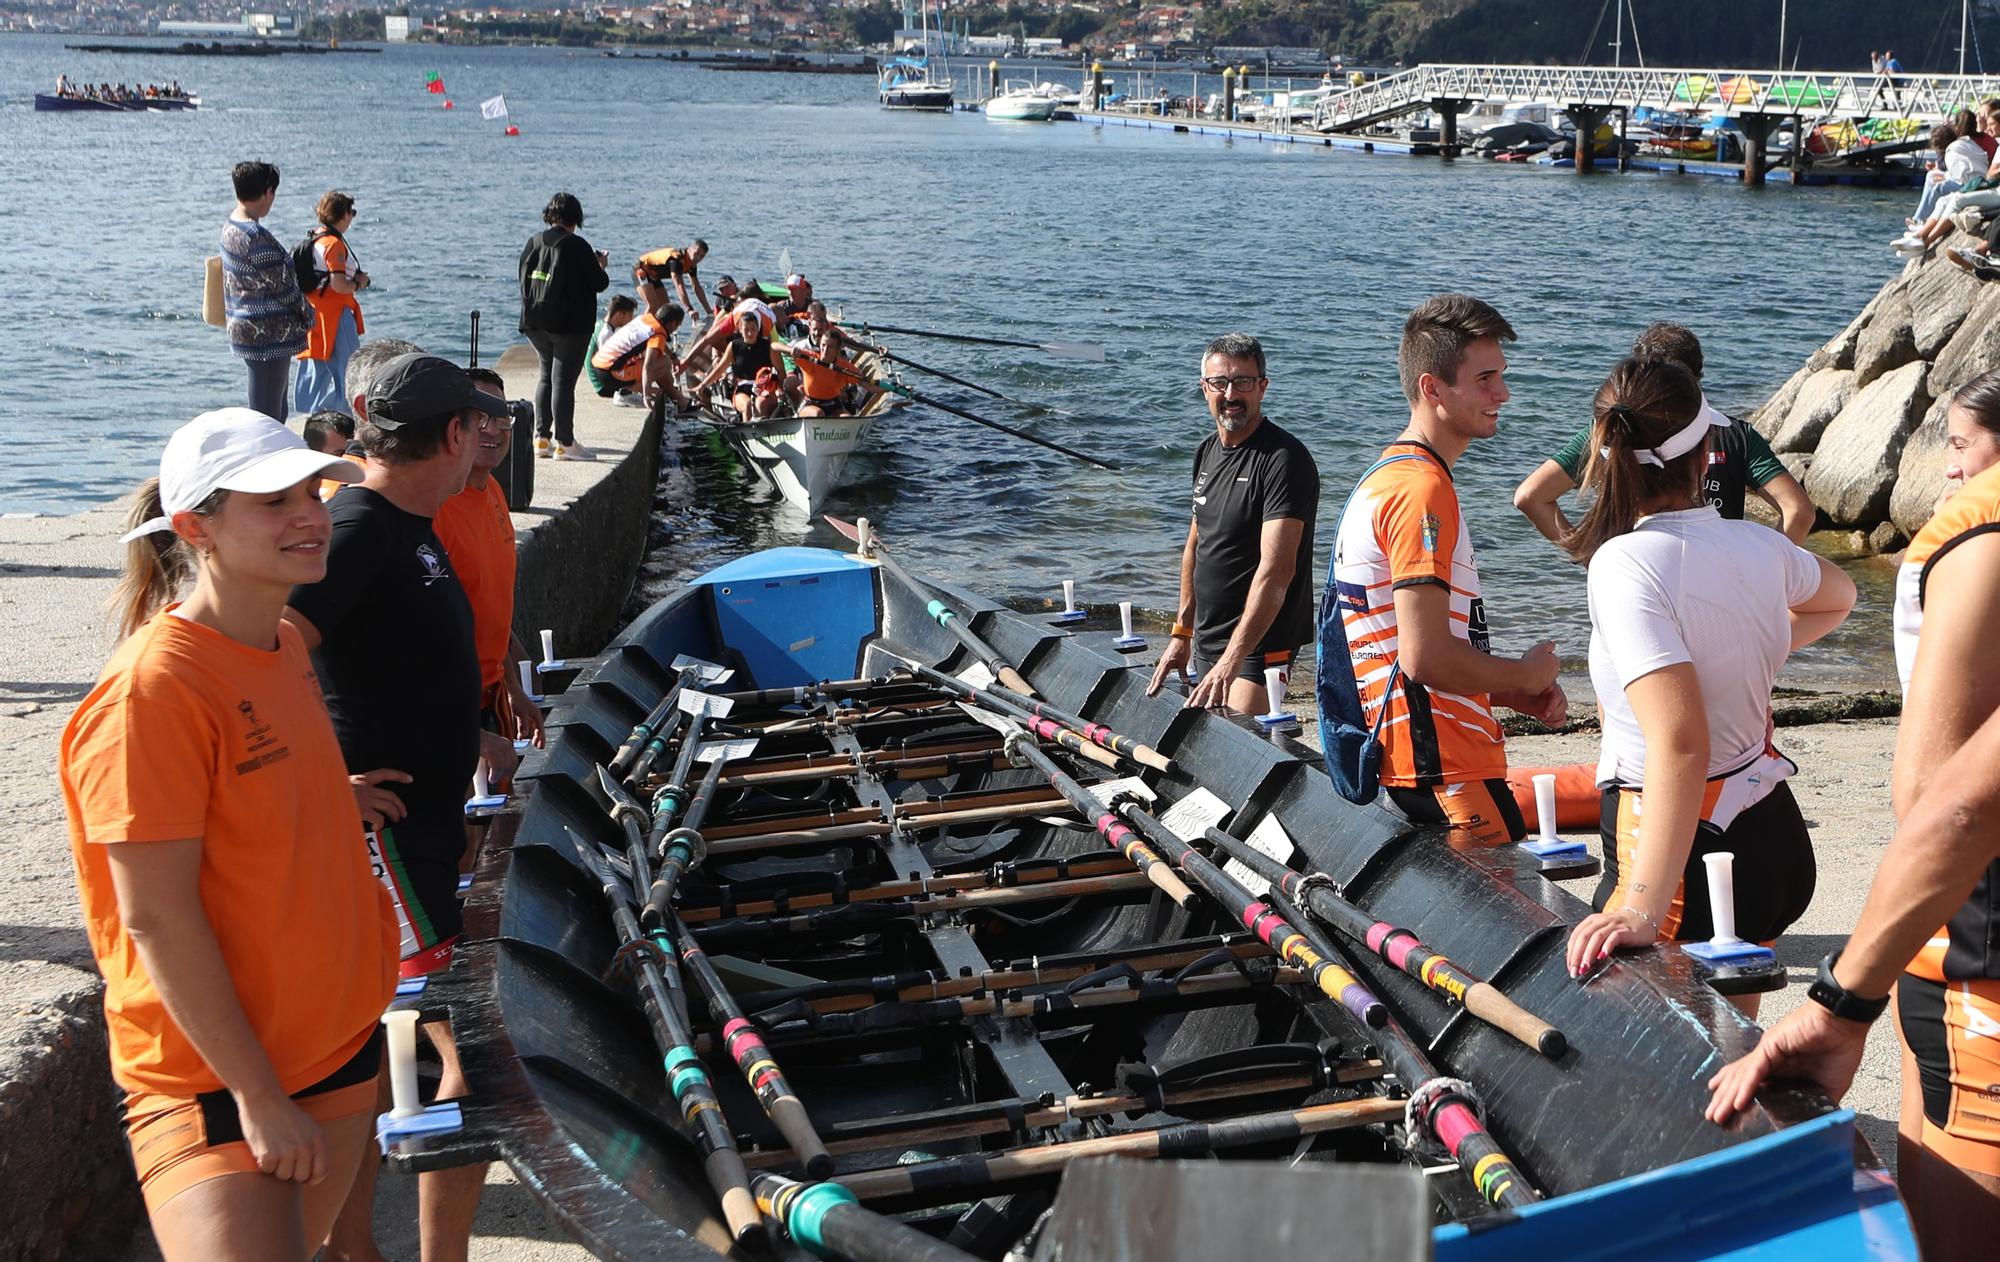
x: 1022, y: 102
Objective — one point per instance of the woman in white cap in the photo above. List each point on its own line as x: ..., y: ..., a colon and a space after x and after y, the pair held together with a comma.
x: 247, y: 950
x: 1691, y: 616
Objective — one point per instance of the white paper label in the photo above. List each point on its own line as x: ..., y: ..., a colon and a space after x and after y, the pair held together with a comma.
x: 1268, y: 838
x: 692, y: 701
x: 706, y: 672
x: 986, y: 718
x: 977, y: 675
x: 1194, y: 814
x: 724, y: 751
x: 1102, y: 793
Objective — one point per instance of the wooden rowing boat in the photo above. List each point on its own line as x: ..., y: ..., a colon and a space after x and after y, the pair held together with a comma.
x: 970, y: 992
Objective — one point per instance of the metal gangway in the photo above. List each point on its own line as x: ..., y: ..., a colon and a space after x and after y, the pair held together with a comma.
x: 1915, y: 98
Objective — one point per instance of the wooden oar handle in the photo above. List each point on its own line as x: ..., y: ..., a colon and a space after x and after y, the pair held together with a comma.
x: 1485, y: 1001
x: 1016, y: 681
x: 739, y: 1209
x: 790, y: 1118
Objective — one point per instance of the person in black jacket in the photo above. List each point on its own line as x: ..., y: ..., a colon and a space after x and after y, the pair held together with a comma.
x: 561, y: 277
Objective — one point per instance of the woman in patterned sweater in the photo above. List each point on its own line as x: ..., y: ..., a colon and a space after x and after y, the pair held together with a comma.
x: 268, y: 315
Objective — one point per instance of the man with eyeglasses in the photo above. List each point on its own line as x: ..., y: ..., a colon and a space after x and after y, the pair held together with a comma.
x: 1246, y: 570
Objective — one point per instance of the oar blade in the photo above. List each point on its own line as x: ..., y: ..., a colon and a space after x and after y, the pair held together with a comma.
x: 848, y: 530
x: 1091, y: 351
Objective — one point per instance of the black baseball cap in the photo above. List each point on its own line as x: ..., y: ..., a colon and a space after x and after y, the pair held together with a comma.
x: 411, y: 389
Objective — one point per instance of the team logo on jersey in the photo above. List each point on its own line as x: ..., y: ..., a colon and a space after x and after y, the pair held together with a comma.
x: 260, y: 748
x: 1717, y: 457
x: 1431, y: 526
x: 434, y: 568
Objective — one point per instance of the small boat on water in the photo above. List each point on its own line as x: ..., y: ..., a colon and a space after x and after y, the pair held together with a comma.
x: 116, y: 104
x: 878, y: 943
x: 906, y: 83
x: 1022, y: 102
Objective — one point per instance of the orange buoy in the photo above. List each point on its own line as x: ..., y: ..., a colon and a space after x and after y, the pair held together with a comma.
x: 1578, y: 802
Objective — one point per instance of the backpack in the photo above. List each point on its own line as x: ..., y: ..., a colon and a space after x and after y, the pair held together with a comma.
x: 305, y: 262
x: 1353, y: 752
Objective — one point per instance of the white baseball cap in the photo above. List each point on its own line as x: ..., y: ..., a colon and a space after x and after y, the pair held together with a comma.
x: 235, y: 449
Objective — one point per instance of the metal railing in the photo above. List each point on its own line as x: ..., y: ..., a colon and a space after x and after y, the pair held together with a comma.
x: 1916, y: 98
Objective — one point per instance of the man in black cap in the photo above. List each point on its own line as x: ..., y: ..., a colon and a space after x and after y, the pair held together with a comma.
x: 390, y: 631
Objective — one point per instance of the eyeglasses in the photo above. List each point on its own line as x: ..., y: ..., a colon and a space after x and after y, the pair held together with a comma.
x: 490, y: 420
x: 1244, y: 384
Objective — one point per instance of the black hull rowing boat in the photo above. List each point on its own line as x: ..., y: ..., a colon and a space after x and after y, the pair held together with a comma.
x: 1023, y: 988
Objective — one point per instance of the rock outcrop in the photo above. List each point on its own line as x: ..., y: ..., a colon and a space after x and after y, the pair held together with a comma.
x: 1863, y: 421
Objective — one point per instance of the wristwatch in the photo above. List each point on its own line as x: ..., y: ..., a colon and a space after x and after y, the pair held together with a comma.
x: 1842, y: 1003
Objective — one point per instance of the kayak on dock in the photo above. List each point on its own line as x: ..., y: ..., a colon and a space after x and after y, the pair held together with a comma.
x: 922, y: 903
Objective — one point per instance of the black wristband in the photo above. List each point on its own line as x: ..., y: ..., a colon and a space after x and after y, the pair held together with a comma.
x: 1842, y: 1003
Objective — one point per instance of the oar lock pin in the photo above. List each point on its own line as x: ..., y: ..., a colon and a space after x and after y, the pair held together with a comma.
x: 697, y: 848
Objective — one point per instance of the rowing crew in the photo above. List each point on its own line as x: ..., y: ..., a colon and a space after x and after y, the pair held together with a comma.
x: 118, y: 91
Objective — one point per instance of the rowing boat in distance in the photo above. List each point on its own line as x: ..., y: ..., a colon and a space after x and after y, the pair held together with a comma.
x: 115, y: 105
x: 949, y: 992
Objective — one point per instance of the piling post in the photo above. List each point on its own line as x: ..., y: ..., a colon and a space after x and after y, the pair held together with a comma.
x: 1229, y: 94
x: 1624, y: 148
x: 1097, y: 85
x: 1588, y: 119
x: 1756, y: 150
x: 1447, y: 112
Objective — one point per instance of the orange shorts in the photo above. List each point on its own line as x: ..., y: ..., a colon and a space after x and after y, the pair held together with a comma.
x: 179, y: 1141
x: 1952, y: 1028
x: 1483, y: 810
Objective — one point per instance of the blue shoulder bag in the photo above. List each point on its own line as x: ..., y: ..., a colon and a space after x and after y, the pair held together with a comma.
x: 1353, y: 750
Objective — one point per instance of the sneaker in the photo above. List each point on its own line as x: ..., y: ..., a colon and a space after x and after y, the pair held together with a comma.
x: 1964, y: 258
x: 631, y: 399
x: 543, y: 449
x: 574, y: 451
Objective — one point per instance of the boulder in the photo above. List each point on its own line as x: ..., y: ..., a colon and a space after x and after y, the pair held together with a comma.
x: 1797, y: 463
x: 1839, y: 352
x: 1920, y: 472
x: 1855, y: 463
x: 1767, y: 418
x: 1888, y: 342
x: 1940, y: 293
x: 1974, y: 349
x: 1819, y: 400
x: 1886, y: 538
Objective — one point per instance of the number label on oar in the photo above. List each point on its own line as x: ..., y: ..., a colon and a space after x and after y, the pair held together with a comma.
x: 704, y: 671
x: 1268, y: 838
x: 725, y: 751
x: 714, y: 706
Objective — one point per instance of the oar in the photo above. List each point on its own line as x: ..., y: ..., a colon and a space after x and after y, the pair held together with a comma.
x: 1092, y: 351
x: 940, y: 373
x: 1090, y: 740
x: 945, y: 615
x: 1333, y: 980
x: 1399, y: 948
x: 1444, y: 1109
x: 720, y: 1160
x: 897, y: 387
x: 825, y: 1219
x: 1023, y: 752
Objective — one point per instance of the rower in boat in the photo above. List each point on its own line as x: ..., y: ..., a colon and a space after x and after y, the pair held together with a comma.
x: 723, y: 327
x: 791, y: 312
x: 675, y: 263
x: 832, y: 384
x: 748, y: 352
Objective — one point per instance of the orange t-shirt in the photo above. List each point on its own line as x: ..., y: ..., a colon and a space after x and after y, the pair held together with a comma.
x: 190, y: 734
x: 478, y: 533
x: 1403, y: 527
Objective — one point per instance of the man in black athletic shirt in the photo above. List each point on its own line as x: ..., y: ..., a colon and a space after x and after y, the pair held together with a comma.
x: 1246, y: 570
x: 390, y: 631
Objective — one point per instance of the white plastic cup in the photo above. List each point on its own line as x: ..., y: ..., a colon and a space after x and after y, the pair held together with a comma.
x: 528, y: 677
x: 1545, y: 805
x: 1722, y: 896
x: 1274, y: 686
x: 1125, y: 620
x: 548, y: 646
x: 402, y: 1028
x: 479, y: 788
x: 1069, y: 595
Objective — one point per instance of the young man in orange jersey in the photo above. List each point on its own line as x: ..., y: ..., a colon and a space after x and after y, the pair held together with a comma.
x: 1408, y: 587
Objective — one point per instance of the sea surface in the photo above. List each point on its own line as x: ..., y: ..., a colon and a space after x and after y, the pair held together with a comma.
x: 1147, y: 242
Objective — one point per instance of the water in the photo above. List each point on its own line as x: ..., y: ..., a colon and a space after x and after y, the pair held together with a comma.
x: 1147, y: 242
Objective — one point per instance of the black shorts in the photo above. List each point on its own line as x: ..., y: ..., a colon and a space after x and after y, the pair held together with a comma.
x: 1775, y: 871
x: 1484, y: 811
x: 1953, y: 1032
x: 418, y: 864
x: 1253, y: 666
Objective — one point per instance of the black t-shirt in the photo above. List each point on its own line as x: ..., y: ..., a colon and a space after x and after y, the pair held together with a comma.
x: 1236, y: 490
x: 745, y: 358
x: 396, y: 659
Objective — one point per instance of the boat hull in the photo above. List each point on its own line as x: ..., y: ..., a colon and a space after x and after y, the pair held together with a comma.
x: 1022, y: 109
x: 572, y: 1093
x: 803, y: 457
x: 48, y: 101
x: 932, y: 98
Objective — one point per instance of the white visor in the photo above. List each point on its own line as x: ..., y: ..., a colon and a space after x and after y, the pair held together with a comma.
x: 234, y: 449
x: 1681, y: 441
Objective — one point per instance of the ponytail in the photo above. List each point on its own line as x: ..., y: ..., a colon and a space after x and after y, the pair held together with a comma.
x: 1640, y: 405
x: 157, y: 565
